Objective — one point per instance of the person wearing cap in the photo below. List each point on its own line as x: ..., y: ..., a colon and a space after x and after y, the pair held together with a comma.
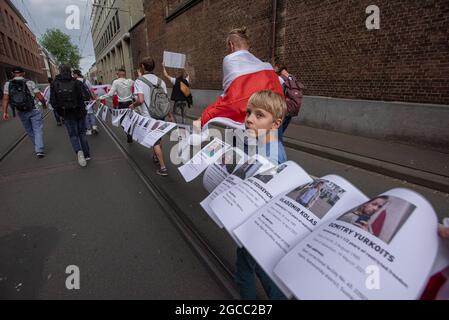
x: 24, y: 96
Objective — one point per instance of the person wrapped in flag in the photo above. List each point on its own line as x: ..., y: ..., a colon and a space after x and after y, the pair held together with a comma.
x: 244, y: 75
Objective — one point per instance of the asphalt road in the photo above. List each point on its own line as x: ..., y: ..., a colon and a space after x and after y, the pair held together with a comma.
x: 101, y: 219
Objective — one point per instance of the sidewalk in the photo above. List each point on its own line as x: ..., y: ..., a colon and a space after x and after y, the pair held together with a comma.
x: 405, y: 162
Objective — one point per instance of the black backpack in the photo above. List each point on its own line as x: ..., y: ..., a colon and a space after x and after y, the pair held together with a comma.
x: 20, y: 97
x: 66, y: 94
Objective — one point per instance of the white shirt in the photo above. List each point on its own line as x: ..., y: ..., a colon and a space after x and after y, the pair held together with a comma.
x: 31, y: 87
x: 141, y: 88
x: 123, y: 88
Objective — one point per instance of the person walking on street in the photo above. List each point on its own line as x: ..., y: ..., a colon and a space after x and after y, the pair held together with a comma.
x: 47, y: 100
x: 143, y: 88
x: 24, y: 96
x: 88, y: 97
x: 180, y: 95
x: 123, y: 88
x: 66, y: 97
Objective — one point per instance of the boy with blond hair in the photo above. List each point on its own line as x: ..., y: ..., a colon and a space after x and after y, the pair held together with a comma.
x: 265, y: 113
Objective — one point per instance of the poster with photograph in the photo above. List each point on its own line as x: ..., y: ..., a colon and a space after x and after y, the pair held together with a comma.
x: 156, y: 132
x: 222, y: 168
x: 237, y: 204
x: 208, y: 155
x: 128, y: 120
x: 141, y: 130
x: 259, y: 163
x: 383, y: 249
x: 275, y: 229
x: 117, y: 115
x: 136, y: 129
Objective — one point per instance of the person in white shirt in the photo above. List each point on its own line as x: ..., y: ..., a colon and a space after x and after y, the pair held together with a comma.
x: 143, y: 103
x: 123, y: 88
x: 24, y: 96
x: 91, y: 121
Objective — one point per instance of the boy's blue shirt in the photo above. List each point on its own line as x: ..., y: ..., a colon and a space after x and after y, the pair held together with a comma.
x: 278, y: 157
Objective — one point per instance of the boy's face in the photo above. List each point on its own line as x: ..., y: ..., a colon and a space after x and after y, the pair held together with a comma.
x: 260, y: 121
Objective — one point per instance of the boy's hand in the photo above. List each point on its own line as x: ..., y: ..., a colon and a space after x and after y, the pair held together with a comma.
x: 5, y: 116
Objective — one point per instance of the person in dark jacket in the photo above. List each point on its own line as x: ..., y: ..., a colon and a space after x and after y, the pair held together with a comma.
x: 181, y: 101
x: 66, y: 97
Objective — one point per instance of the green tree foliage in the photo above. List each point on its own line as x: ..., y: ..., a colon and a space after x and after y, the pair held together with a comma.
x: 60, y: 46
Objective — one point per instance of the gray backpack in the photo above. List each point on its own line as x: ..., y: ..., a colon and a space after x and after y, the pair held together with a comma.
x: 159, y: 104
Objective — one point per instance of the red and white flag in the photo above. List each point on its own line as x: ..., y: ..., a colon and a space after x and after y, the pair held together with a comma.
x: 244, y: 75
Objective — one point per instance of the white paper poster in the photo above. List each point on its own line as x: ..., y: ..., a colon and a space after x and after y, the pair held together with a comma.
x: 156, y: 132
x: 117, y: 115
x: 383, y: 249
x: 174, y: 60
x: 203, y: 159
x: 225, y: 165
x: 279, y: 226
x: 141, y: 129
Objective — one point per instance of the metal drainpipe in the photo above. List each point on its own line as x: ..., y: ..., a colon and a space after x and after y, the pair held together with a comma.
x: 273, y: 34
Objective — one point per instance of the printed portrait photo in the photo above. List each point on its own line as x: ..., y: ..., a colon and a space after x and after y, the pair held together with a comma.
x: 248, y: 169
x: 213, y: 149
x: 318, y: 197
x: 156, y: 125
x: 164, y: 126
x: 267, y: 176
x: 382, y: 217
x: 228, y: 161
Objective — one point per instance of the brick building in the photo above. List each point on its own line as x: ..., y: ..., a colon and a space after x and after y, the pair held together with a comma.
x: 18, y: 45
x: 326, y: 43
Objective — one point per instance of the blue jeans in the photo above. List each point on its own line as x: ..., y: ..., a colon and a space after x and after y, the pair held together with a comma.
x: 34, y: 127
x: 247, y: 269
x: 91, y: 121
x: 77, y: 134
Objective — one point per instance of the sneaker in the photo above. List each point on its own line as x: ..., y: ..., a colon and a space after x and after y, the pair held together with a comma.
x: 81, y: 159
x: 88, y: 158
x: 162, y: 172
x: 88, y: 132
x: 40, y: 155
x: 59, y: 124
x: 95, y: 130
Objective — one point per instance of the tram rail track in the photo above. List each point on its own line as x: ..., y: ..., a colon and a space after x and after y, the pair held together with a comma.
x: 215, y: 264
